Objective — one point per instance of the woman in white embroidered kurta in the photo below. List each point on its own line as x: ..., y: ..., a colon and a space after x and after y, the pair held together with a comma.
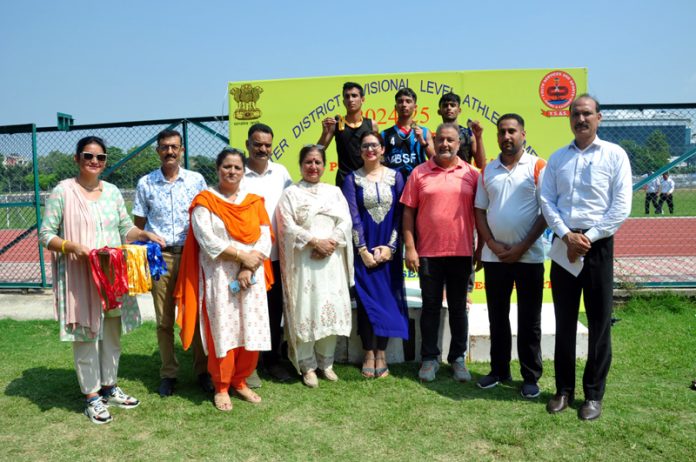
x: 316, y: 259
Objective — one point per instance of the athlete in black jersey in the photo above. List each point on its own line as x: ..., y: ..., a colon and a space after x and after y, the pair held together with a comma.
x: 347, y: 130
x: 471, y: 147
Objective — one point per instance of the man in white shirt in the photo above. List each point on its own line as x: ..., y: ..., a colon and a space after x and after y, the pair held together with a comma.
x: 268, y: 180
x: 510, y: 223
x: 585, y: 196
x: 651, y: 191
x: 666, y: 191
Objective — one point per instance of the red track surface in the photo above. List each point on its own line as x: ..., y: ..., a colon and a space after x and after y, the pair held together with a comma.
x: 640, y: 248
x: 659, y: 236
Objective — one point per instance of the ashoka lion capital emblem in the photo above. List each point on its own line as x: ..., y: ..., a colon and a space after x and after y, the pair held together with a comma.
x: 246, y: 97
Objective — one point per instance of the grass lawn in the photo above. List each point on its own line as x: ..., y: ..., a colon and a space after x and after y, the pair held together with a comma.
x: 684, y: 204
x: 649, y: 411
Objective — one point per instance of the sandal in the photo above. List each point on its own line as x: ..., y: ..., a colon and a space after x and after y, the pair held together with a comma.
x: 366, y: 371
x: 381, y: 371
x: 222, y: 402
x: 248, y: 395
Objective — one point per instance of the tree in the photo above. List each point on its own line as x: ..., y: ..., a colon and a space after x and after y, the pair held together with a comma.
x: 650, y: 157
x: 206, y: 167
x: 657, y: 149
x: 126, y: 175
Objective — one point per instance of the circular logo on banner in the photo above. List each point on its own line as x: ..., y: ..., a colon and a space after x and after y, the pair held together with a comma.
x: 557, y: 89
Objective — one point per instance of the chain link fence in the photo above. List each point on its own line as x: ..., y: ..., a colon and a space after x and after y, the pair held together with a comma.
x: 655, y: 247
x: 33, y: 161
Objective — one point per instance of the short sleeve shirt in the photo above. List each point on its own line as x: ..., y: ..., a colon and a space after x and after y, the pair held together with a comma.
x: 444, y: 203
x: 165, y: 204
x: 512, y: 200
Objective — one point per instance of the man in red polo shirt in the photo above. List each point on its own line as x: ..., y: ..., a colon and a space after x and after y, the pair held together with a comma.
x: 438, y: 226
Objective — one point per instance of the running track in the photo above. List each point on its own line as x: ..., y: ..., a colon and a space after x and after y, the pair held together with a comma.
x: 655, y: 249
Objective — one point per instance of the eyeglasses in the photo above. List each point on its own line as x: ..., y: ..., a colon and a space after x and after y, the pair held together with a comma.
x: 317, y: 146
x: 90, y: 156
x: 368, y: 146
x: 167, y: 147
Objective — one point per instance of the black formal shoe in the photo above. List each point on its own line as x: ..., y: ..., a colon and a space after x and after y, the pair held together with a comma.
x: 559, y: 403
x: 590, y: 410
x: 278, y: 372
x: 166, y: 387
x: 205, y: 382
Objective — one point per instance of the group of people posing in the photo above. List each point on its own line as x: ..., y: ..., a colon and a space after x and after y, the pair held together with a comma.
x: 258, y: 258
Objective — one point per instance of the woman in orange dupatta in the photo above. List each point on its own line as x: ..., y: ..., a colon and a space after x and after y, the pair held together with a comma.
x: 223, y: 279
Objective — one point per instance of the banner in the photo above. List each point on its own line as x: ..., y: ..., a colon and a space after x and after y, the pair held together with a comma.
x: 295, y: 108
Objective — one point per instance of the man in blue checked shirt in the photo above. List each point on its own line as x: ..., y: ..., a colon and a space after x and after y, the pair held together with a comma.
x: 162, y: 200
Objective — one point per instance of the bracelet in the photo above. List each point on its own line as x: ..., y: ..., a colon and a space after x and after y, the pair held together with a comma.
x: 62, y: 246
x: 236, y: 256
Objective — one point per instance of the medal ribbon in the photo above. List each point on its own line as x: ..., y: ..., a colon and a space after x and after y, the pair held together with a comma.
x: 109, y: 292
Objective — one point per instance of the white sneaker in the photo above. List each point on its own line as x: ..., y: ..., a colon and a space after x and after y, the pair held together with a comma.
x: 97, y: 411
x: 116, y: 397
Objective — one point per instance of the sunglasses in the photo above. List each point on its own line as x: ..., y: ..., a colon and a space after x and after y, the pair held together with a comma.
x: 90, y: 156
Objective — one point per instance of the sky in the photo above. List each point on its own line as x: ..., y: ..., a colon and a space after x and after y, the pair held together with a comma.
x: 140, y: 60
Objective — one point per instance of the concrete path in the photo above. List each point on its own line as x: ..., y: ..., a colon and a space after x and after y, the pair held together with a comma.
x: 37, y: 305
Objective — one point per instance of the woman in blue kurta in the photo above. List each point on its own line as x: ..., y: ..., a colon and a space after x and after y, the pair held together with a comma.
x: 373, y: 194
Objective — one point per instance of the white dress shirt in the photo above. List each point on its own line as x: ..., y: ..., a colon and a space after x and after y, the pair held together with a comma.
x: 667, y: 186
x: 589, y: 189
x: 269, y: 185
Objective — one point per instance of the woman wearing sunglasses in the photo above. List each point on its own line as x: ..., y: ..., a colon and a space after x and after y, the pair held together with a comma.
x: 81, y: 214
x: 316, y: 261
x: 373, y: 193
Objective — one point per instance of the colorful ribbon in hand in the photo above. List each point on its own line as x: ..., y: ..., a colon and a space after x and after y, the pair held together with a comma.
x: 158, y: 267
x: 114, y: 284
x: 139, y: 280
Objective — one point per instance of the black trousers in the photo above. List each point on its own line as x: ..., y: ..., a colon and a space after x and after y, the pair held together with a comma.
x: 434, y: 273
x: 670, y: 203
x: 651, y: 198
x: 528, y: 279
x: 370, y: 341
x: 275, y: 316
x: 595, y: 282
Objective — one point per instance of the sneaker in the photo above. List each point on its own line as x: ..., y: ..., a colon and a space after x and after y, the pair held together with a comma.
x: 460, y: 372
x: 309, y: 378
x: 428, y: 370
x: 530, y: 390
x: 329, y: 374
x: 253, y: 381
x: 97, y: 411
x: 116, y: 397
x: 491, y: 381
